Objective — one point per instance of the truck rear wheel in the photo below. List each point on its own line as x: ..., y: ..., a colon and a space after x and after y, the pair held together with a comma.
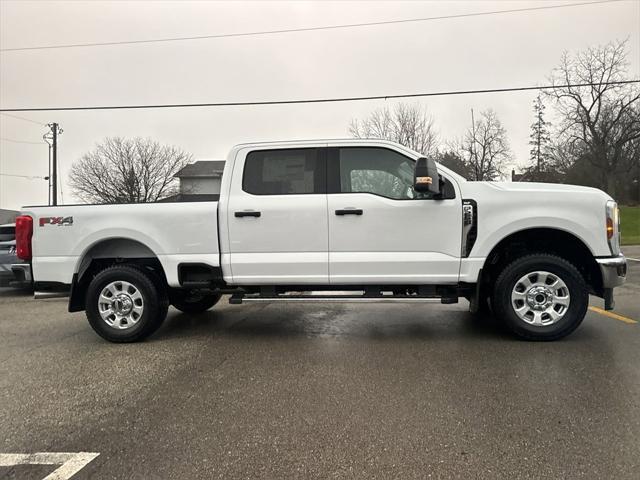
x: 125, y: 304
x: 190, y: 301
x: 540, y: 297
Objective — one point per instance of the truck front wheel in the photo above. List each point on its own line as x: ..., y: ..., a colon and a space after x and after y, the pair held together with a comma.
x: 540, y: 297
x: 125, y: 304
x: 192, y: 301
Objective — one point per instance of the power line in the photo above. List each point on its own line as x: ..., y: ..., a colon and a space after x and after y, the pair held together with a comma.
x: 304, y: 29
x: 30, y: 177
x: 315, y: 100
x: 22, y: 118
x: 20, y: 141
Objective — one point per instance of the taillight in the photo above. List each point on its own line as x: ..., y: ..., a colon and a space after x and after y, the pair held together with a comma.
x: 24, y: 232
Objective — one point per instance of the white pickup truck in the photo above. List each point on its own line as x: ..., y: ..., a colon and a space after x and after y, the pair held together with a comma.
x: 356, y: 220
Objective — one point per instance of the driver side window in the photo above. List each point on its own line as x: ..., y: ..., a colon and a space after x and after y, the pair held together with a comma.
x: 378, y: 171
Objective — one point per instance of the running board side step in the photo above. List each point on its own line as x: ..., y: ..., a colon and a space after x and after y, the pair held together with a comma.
x: 238, y: 299
x: 46, y: 295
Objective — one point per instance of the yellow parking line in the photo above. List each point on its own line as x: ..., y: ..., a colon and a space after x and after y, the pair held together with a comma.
x: 613, y: 315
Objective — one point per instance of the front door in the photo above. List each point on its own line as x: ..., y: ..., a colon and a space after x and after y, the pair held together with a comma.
x: 380, y: 231
x: 277, y: 218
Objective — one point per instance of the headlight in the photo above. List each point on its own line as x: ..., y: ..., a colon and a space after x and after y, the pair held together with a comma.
x: 613, y: 227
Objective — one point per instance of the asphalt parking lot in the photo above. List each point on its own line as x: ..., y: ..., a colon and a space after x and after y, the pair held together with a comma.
x: 320, y: 391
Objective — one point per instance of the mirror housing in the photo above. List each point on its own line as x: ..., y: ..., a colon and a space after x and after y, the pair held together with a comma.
x: 425, y: 176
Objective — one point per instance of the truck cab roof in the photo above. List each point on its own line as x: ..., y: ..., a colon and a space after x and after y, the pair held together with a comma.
x: 339, y: 142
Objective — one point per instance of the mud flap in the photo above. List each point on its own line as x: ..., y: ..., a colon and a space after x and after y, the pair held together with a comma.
x: 609, y: 302
x: 474, y: 301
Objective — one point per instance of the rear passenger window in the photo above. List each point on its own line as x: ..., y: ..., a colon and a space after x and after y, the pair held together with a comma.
x: 282, y: 172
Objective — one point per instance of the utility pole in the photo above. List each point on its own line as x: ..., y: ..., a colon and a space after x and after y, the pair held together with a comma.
x: 474, y: 153
x: 53, y: 167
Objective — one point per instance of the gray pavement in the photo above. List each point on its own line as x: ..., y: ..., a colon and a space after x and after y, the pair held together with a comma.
x: 322, y: 391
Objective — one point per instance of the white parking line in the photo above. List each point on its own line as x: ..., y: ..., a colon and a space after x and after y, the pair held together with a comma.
x: 633, y: 259
x: 70, y: 463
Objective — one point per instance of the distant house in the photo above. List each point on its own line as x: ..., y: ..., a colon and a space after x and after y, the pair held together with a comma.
x: 520, y: 177
x: 199, y: 181
x: 532, y: 176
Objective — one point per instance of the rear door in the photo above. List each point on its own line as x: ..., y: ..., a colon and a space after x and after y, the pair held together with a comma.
x: 380, y: 230
x: 277, y: 217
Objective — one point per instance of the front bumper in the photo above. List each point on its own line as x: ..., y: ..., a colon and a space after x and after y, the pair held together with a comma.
x: 614, y: 271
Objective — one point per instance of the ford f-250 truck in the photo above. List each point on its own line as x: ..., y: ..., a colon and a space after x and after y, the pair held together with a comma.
x: 357, y: 220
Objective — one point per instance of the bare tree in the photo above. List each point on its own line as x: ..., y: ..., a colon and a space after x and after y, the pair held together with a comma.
x: 408, y: 125
x: 599, y: 122
x: 123, y: 170
x: 485, y: 148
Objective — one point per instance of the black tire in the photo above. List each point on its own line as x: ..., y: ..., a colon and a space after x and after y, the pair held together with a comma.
x: 189, y: 301
x: 579, y: 297
x: 154, y: 298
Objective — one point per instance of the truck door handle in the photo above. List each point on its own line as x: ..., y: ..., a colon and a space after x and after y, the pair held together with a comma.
x: 349, y: 211
x: 247, y: 213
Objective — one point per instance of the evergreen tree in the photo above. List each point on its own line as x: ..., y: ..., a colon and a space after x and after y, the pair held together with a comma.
x: 539, y: 141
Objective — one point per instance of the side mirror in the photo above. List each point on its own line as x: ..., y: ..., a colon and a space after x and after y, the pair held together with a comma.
x: 425, y: 176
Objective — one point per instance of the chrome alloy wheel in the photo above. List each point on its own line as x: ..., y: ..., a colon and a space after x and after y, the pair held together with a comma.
x: 540, y: 298
x: 120, y: 305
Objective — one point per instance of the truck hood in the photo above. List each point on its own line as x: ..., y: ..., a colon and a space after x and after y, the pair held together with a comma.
x: 556, y: 189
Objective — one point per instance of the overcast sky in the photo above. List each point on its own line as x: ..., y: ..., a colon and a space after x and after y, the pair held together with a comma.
x: 514, y: 49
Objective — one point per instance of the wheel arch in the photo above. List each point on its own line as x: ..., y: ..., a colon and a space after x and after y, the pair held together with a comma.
x: 107, y: 252
x: 550, y: 240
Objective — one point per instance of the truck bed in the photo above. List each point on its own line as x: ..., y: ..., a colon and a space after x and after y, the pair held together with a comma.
x: 174, y: 232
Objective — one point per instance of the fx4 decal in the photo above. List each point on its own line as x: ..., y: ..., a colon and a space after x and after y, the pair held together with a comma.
x: 60, y: 221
